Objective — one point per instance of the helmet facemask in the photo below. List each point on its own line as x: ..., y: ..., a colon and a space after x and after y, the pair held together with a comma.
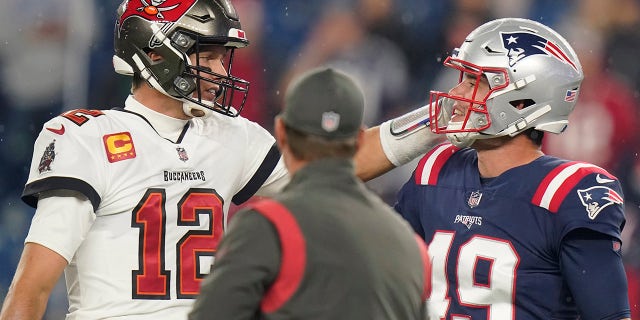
x: 463, y: 119
x: 230, y: 96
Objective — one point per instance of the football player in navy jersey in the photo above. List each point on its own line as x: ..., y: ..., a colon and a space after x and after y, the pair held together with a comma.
x: 132, y: 202
x: 514, y: 233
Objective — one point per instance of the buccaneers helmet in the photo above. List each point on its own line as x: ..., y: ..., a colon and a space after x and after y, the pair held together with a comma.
x: 176, y: 29
x: 534, y: 78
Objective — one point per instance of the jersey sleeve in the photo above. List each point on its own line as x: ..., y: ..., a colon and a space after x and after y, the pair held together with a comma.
x: 581, y: 195
x: 61, y: 222
x: 276, y: 181
x: 261, y: 162
x: 247, y: 262
x: 65, y: 156
x: 595, y: 203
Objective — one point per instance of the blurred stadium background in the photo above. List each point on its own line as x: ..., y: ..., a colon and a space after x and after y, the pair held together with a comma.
x: 55, y: 55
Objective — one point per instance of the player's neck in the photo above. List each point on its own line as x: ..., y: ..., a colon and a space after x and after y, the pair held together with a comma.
x: 293, y: 164
x: 493, y: 160
x: 159, y: 102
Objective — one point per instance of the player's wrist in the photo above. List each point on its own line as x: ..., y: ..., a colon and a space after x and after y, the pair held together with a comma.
x: 407, y: 137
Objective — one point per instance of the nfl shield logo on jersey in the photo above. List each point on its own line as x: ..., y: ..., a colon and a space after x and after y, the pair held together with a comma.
x: 182, y: 154
x: 474, y: 199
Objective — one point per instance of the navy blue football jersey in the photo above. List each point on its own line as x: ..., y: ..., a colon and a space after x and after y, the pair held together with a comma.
x: 495, y: 244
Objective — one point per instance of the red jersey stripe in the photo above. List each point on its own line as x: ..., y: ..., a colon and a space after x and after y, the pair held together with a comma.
x: 430, y: 165
x: 555, y: 187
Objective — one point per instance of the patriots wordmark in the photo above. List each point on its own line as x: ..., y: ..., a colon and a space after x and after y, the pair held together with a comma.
x: 468, y: 221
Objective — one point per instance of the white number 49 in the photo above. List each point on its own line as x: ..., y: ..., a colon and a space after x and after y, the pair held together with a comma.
x: 496, y: 296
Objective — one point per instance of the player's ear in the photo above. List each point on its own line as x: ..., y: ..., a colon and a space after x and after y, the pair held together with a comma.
x: 280, y: 132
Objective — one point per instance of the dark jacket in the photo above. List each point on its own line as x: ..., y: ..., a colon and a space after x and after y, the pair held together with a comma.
x: 326, y: 248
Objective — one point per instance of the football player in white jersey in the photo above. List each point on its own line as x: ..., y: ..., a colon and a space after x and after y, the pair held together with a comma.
x: 131, y: 202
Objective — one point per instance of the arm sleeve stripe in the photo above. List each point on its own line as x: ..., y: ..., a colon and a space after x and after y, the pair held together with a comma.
x: 294, y: 254
x: 31, y: 191
x: 264, y: 171
x: 430, y: 165
x: 426, y: 263
x: 560, y: 181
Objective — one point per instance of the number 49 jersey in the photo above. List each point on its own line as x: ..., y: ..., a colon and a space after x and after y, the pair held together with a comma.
x: 160, y: 207
x: 495, y: 245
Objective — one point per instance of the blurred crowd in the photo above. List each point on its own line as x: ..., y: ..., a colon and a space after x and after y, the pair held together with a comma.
x: 55, y: 55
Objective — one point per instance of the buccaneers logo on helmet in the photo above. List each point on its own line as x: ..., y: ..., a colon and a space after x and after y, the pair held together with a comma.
x: 157, y: 10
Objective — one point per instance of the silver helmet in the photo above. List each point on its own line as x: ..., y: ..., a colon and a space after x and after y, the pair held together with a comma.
x: 176, y: 29
x: 525, y: 63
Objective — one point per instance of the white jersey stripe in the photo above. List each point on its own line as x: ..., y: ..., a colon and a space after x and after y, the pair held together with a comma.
x: 558, y: 180
x: 428, y: 167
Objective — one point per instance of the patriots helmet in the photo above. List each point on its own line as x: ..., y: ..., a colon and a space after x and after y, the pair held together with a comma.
x: 175, y: 29
x: 525, y: 63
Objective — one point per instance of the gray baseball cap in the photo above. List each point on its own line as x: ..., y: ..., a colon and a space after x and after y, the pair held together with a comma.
x: 324, y: 102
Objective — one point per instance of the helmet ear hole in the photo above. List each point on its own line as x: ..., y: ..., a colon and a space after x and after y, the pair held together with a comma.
x: 154, y: 56
x: 521, y: 104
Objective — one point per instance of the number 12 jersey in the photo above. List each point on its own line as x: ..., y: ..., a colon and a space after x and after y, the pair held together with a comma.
x: 160, y: 206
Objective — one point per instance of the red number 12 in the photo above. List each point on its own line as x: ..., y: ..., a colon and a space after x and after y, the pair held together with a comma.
x: 152, y: 279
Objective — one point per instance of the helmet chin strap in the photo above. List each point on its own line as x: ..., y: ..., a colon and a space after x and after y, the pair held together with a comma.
x: 195, y: 110
x: 460, y: 139
x: 523, y: 123
x: 466, y: 139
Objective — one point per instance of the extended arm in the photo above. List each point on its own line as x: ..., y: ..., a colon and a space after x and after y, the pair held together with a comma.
x: 370, y: 159
x: 38, y: 271
x: 61, y: 221
x: 394, y: 143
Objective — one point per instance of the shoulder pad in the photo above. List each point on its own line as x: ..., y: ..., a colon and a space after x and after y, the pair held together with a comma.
x: 431, y: 164
x: 81, y: 116
x: 557, y: 184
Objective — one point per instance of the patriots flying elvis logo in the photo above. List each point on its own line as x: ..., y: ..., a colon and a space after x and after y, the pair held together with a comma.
x: 524, y: 44
x: 597, y: 198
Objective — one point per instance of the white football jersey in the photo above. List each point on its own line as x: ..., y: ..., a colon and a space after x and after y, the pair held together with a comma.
x: 160, y: 206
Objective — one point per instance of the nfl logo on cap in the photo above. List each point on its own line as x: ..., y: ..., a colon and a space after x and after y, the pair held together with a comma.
x: 330, y: 121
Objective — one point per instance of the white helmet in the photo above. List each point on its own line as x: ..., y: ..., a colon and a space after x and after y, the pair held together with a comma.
x: 524, y: 62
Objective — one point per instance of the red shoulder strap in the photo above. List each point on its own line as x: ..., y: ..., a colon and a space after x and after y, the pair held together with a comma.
x: 293, y: 258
